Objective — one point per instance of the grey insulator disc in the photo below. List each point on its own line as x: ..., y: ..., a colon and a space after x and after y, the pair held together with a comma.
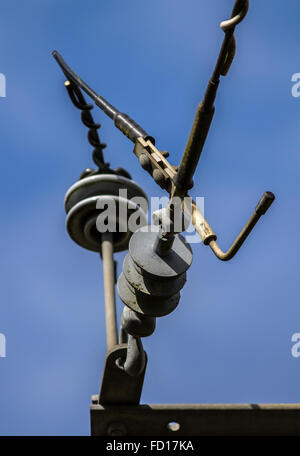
x: 103, y: 189
x: 156, y: 286
x: 151, y: 306
x: 176, y: 262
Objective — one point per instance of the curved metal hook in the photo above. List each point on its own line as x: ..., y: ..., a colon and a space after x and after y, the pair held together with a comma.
x: 236, y: 17
x: 238, y: 14
x: 133, y: 327
x: 262, y: 207
x: 136, y: 359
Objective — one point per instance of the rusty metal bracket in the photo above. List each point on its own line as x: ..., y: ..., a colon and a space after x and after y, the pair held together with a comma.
x: 177, y: 420
x: 117, y: 387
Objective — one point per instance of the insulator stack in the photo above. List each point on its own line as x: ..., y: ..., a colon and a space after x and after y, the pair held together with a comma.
x: 150, y: 283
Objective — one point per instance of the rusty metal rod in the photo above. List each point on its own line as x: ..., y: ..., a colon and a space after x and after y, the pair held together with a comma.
x: 262, y: 207
x: 205, y: 111
x: 107, y: 249
x: 202, y: 122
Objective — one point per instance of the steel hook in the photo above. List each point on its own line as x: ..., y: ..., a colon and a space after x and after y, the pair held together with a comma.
x: 133, y: 327
x: 261, y: 208
x: 239, y: 12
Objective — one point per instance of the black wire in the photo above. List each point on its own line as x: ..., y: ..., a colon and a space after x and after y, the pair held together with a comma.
x: 122, y: 121
x: 72, y: 76
x: 79, y: 102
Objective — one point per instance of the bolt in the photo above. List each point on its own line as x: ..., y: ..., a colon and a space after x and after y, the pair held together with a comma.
x: 163, y: 244
x: 95, y: 399
x: 145, y: 162
x: 116, y: 429
x: 158, y: 177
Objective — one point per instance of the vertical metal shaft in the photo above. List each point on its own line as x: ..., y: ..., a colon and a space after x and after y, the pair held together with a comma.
x: 107, y: 249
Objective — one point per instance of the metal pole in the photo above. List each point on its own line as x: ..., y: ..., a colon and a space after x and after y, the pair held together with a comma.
x: 107, y: 249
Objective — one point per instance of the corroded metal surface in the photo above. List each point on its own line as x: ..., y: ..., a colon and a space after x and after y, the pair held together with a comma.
x: 199, y: 420
x: 117, y: 387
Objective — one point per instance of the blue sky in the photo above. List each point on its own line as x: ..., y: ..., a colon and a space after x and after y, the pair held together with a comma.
x: 230, y: 338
